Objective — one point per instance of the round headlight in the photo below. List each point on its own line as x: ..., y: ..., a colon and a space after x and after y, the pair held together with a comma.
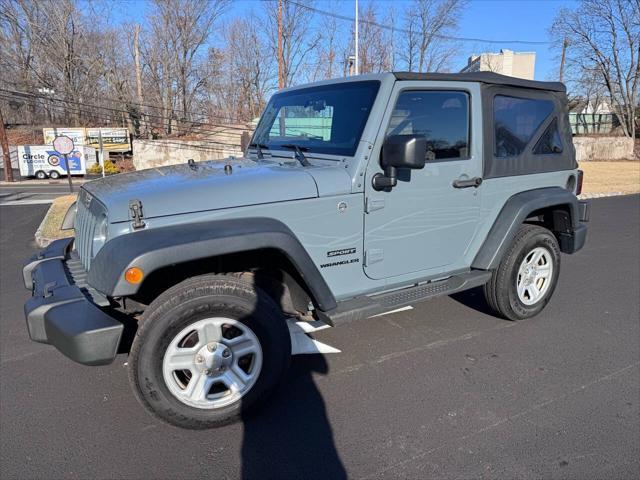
x: 100, y: 234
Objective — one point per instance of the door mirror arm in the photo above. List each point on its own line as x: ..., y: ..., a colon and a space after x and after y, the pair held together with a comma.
x: 387, y: 180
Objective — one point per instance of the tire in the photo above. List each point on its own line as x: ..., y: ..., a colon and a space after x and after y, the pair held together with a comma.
x: 40, y: 175
x: 208, y: 303
x: 54, y: 175
x: 511, y: 291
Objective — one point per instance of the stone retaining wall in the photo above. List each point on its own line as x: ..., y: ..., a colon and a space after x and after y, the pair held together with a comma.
x: 603, y: 148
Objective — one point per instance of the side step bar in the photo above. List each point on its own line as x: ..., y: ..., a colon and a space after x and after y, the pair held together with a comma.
x: 367, y: 306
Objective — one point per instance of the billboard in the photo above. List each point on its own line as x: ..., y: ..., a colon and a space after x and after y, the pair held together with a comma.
x: 75, y: 134
x: 113, y: 139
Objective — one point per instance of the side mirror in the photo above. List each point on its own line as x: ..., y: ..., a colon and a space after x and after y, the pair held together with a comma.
x: 399, y: 151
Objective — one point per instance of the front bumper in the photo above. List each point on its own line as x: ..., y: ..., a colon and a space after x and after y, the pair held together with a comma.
x: 63, y: 313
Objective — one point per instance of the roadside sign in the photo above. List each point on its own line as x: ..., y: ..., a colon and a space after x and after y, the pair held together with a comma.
x: 75, y: 134
x: 63, y: 145
x: 113, y: 139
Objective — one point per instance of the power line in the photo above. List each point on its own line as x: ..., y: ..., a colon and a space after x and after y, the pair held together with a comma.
x: 409, y: 32
x: 59, y: 100
x: 144, y: 105
x: 69, y: 104
x: 111, y: 117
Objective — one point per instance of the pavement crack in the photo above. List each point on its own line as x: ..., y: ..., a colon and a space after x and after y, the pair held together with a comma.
x: 505, y: 420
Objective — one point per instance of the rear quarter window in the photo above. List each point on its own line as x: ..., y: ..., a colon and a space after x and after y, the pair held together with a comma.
x: 516, y: 120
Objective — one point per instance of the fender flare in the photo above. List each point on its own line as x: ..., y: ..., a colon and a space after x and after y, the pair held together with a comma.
x: 155, y: 248
x: 514, y: 212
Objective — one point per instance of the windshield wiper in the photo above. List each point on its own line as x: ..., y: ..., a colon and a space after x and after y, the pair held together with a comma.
x: 299, y: 155
x: 259, y: 147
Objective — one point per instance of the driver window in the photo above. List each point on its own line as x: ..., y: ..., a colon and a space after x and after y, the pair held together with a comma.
x: 441, y: 116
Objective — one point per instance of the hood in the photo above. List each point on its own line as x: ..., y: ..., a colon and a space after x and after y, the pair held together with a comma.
x: 184, y: 188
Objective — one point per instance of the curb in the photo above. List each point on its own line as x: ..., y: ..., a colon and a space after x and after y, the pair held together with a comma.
x: 586, y: 196
x: 41, y: 241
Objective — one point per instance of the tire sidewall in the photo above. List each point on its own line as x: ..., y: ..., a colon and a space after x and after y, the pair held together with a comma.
x: 164, y: 324
x: 548, y: 242
x: 54, y: 175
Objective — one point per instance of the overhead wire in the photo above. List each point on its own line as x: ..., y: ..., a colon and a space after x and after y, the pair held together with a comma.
x: 214, y: 145
x: 401, y: 30
x: 90, y: 110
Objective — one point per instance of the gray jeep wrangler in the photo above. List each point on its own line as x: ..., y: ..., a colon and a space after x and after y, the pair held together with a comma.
x: 356, y: 197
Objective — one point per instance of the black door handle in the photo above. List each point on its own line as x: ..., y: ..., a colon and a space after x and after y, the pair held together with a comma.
x: 472, y: 182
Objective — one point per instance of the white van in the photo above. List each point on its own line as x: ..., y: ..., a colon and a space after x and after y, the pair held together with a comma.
x: 42, y: 161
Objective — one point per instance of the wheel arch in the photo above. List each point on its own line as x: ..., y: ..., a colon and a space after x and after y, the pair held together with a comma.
x: 555, y: 207
x: 238, y: 245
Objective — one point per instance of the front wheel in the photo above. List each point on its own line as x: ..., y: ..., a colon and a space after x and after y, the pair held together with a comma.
x: 40, y: 175
x: 208, y: 350
x: 54, y: 175
x: 524, y: 282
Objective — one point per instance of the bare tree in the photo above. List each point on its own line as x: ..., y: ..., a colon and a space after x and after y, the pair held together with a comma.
x: 178, y: 33
x: 251, y: 67
x: 604, y: 46
x: 330, y: 50
x: 375, y: 42
x: 299, y: 40
x: 427, y: 25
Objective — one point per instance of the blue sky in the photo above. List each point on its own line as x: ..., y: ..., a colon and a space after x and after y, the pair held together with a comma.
x: 489, y: 19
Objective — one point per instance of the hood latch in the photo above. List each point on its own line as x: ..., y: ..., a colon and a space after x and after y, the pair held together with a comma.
x: 135, y: 209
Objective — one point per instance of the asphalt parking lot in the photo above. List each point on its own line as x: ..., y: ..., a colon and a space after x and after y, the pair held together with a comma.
x: 442, y: 391
x: 33, y: 192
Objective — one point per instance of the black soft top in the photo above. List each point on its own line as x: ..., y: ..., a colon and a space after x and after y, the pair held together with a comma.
x: 483, y: 77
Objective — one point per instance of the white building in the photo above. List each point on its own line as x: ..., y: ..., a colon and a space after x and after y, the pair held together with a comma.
x: 507, y: 62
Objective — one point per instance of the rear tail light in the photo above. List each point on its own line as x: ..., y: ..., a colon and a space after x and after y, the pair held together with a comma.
x: 579, y: 185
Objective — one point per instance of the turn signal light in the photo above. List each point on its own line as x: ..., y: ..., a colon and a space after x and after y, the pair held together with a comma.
x: 133, y: 275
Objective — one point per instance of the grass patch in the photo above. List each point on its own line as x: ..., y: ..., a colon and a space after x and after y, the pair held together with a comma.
x: 608, y: 177
x: 50, y: 228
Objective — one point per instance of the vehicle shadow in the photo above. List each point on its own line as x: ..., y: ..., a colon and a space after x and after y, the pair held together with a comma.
x: 473, y: 298
x: 290, y: 436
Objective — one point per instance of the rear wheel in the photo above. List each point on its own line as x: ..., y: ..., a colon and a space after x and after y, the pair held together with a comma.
x: 524, y: 282
x: 207, y: 350
x: 54, y: 174
x: 40, y: 175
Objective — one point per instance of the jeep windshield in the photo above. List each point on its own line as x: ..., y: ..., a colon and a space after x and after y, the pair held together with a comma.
x: 327, y: 119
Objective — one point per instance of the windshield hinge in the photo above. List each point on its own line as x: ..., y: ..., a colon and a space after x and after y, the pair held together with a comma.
x: 135, y: 209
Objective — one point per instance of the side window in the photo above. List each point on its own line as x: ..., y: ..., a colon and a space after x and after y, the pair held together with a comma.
x: 516, y: 120
x: 549, y: 141
x: 441, y: 116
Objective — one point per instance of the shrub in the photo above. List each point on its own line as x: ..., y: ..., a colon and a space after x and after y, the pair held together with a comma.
x: 94, y: 169
x: 110, y: 168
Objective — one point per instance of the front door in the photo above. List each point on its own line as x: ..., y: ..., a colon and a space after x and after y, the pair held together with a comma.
x: 425, y: 224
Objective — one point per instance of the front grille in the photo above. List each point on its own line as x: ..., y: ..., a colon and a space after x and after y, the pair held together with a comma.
x: 87, y: 214
x: 78, y: 275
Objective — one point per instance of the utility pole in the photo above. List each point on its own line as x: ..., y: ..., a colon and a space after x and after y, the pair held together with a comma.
x: 281, y: 79
x: 565, y: 44
x: 136, y: 53
x: 280, y: 53
x: 357, y: 68
x: 4, y: 142
x: 101, y: 150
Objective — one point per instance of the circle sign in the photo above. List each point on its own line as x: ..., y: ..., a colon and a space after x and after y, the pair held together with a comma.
x: 54, y: 160
x: 63, y: 145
